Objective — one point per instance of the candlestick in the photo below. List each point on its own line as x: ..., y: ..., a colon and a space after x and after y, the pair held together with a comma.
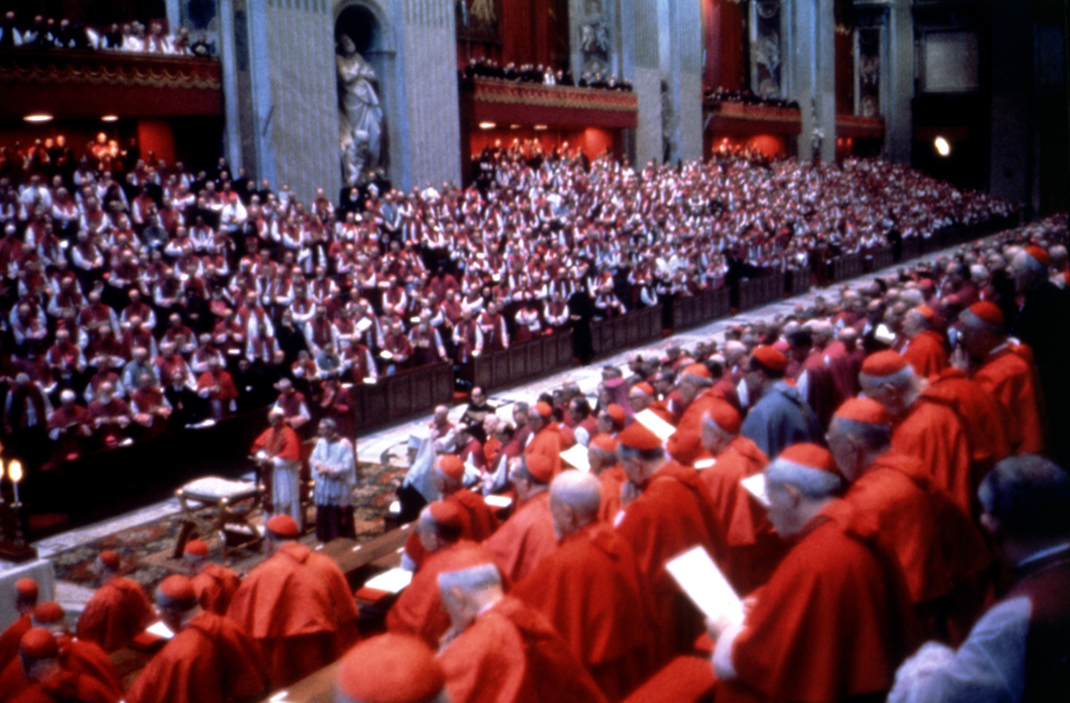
x: 14, y: 472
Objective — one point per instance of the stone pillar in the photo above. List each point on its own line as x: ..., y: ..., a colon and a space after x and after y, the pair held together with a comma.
x: 687, y: 38
x: 431, y: 114
x: 897, y: 75
x: 280, y: 99
x: 1012, y: 90
x: 814, y: 69
x: 647, y: 83
x: 294, y: 88
x: 174, y: 14
x: 232, y: 135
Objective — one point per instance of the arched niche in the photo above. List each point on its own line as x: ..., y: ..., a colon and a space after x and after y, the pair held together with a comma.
x: 362, y: 26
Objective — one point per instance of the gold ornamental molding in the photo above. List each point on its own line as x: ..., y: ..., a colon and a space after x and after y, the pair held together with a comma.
x: 552, y: 96
x: 69, y: 67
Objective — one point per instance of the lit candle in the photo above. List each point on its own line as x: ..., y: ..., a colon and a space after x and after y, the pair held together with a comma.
x: 14, y: 471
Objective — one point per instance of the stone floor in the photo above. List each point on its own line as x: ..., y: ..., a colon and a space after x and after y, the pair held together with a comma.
x: 389, y: 445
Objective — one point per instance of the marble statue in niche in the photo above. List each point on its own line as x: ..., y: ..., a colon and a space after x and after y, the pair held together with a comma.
x: 361, y: 117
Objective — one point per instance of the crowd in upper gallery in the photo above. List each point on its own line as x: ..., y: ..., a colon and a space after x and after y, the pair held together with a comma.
x: 539, y: 74
x: 130, y: 37
x: 158, y: 297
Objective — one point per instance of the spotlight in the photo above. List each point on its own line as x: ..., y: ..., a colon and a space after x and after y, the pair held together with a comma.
x: 109, y: 118
x: 38, y: 117
x: 487, y: 125
x: 942, y: 147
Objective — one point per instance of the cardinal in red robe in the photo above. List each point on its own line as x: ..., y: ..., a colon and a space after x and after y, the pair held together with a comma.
x: 592, y: 591
x: 1006, y: 370
x: 546, y: 438
x: 25, y: 602
x: 500, y: 650
x: 118, y: 611
x: 602, y: 457
x: 287, y: 609
x: 927, y: 349
x: 527, y: 537
x: 672, y: 513
x: 214, y: 584
x: 753, y: 547
x: 78, y: 656
x: 890, y: 499
x: 833, y: 622
x: 982, y: 417
x: 926, y: 425
x: 209, y: 660
x: 418, y: 610
x: 46, y: 679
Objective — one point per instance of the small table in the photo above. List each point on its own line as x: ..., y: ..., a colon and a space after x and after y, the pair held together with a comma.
x: 216, y: 504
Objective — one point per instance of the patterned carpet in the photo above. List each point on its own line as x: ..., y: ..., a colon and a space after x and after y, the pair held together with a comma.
x: 146, y: 549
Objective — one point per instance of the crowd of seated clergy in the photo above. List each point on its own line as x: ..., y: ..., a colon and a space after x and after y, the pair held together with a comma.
x: 874, y: 481
x: 140, y: 297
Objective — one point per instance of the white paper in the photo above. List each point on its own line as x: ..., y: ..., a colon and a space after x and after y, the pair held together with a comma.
x: 755, y: 485
x: 704, y: 584
x: 392, y: 581
x: 883, y: 334
x: 576, y: 455
x: 498, y: 501
x: 650, y: 420
x: 160, y: 630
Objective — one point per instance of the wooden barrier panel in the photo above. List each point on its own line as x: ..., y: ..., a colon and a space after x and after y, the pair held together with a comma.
x: 797, y: 281
x: 536, y: 357
x: 402, y: 395
x: 882, y: 258
x: 759, y: 291
x: 633, y: 328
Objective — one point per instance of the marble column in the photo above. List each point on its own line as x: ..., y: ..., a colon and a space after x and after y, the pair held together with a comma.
x: 814, y: 72
x: 897, y: 75
x: 174, y: 14
x: 232, y: 135
x: 688, y: 69
x: 296, y: 100
x: 431, y: 152
x: 1012, y: 91
x: 647, y: 83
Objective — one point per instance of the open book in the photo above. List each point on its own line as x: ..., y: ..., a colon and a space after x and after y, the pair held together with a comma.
x: 755, y: 485
x: 704, y: 584
x: 496, y: 501
x: 392, y: 580
x: 576, y: 455
x: 160, y: 630
x: 653, y: 422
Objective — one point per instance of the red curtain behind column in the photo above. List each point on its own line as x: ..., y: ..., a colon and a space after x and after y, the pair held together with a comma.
x: 723, y: 32
x: 845, y: 72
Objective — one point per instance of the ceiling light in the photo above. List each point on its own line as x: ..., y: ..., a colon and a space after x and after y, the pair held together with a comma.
x: 487, y: 125
x: 38, y: 117
x: 540, y: 127
x: 109, y: 118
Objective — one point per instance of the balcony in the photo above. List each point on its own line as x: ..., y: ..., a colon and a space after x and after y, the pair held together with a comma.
x: 72, y: 84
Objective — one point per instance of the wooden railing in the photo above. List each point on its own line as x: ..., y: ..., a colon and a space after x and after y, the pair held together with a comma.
x: 540, y: 356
